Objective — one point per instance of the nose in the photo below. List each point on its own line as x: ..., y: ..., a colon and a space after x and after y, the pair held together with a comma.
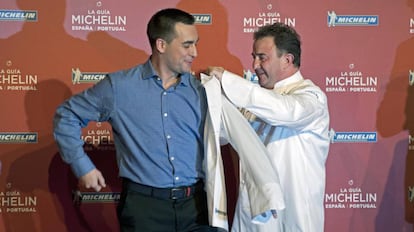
x: 193, y: 51
x: 256, y: 63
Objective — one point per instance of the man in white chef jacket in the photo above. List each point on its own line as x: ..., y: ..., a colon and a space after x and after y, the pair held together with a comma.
x: 290, y: 115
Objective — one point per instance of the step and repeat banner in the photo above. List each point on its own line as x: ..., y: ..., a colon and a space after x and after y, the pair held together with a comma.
x: 361, y: 53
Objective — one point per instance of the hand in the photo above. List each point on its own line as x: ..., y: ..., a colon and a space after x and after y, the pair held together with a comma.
x: 216, y: 72
x: 92, y: 179
x: 274, y: 213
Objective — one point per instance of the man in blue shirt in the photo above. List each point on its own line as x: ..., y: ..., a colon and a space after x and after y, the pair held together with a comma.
x: 157, y: 112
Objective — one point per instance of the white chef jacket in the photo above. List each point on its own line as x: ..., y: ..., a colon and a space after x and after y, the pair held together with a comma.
x: 224, y: 122
x: 293, y: 122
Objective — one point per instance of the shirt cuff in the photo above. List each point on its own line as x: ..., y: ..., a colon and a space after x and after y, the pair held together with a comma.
x: 262, y: 218
x: 82, y: 166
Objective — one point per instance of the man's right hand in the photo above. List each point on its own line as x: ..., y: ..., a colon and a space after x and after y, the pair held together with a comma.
x: 92, y: 179
x: 216, y: 72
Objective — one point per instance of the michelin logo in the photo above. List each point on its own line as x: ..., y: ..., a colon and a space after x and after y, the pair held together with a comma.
x: 79, y: 197
x: 202, y: 18
x: 22, y: 137
x: 79, y: 77
x: 353, y: 137
x: 352, y: 20
x: 18, y: 15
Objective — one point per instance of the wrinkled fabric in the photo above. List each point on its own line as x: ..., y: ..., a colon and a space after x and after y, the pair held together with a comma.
x: 293, y: 122
x: 225, y: 123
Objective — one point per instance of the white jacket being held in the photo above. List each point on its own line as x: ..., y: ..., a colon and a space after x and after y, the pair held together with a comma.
x: 224, y: 121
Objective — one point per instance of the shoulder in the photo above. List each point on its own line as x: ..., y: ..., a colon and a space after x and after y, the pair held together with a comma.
x: 127, y: 73
x: 194, y: 81
x: 131, y: 75
x: 196, y: 84
x: 313, y: 89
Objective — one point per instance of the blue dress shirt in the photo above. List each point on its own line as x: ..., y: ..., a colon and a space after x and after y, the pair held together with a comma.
x: 158, y: 133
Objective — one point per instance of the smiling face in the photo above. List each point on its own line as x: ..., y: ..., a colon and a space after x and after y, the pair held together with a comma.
x: 180, y: 53
x: 266, y: 63
x: 270, y: 64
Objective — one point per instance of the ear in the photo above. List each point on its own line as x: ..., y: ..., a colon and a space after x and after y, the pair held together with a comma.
x: 160, y: 45
x: 287, y: 61
x: 289, y: 58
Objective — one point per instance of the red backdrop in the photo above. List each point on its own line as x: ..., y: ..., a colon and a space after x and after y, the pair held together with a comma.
x: 360, y: 53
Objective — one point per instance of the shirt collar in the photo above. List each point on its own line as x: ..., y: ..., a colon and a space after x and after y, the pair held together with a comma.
x: 297, y: 76
x: 148, y: 71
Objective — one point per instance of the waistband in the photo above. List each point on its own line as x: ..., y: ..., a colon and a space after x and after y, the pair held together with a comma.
x: 175, y: 193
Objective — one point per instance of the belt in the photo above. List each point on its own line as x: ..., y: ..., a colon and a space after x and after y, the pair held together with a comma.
x: 175, y: 193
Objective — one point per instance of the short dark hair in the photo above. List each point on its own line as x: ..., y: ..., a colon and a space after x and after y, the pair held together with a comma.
x: 286, y: 39
x: 162, y: 24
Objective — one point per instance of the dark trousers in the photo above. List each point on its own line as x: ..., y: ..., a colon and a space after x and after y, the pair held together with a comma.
x: 141, y: 212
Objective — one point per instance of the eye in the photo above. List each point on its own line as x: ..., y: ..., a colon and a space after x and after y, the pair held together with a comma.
x: 189, y: 44
x: 262, y: 57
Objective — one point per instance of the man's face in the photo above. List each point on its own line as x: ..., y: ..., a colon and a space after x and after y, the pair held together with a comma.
x: 181, y: 51
x: 267, y: 65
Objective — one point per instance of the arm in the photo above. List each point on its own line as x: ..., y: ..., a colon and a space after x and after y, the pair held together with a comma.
x: 70, y: 118
x: 297, y: 110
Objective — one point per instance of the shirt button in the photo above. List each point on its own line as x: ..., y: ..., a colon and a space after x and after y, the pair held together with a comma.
x: 165, y: 114
x: 164, y: 93
x: 168, y: 136
x: 177, y: 178
x: 172, y: 158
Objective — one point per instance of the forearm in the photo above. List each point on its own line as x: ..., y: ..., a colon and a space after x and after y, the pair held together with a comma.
x: 294, y: 110
x: 67, y: 133
x: 75, y: 114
